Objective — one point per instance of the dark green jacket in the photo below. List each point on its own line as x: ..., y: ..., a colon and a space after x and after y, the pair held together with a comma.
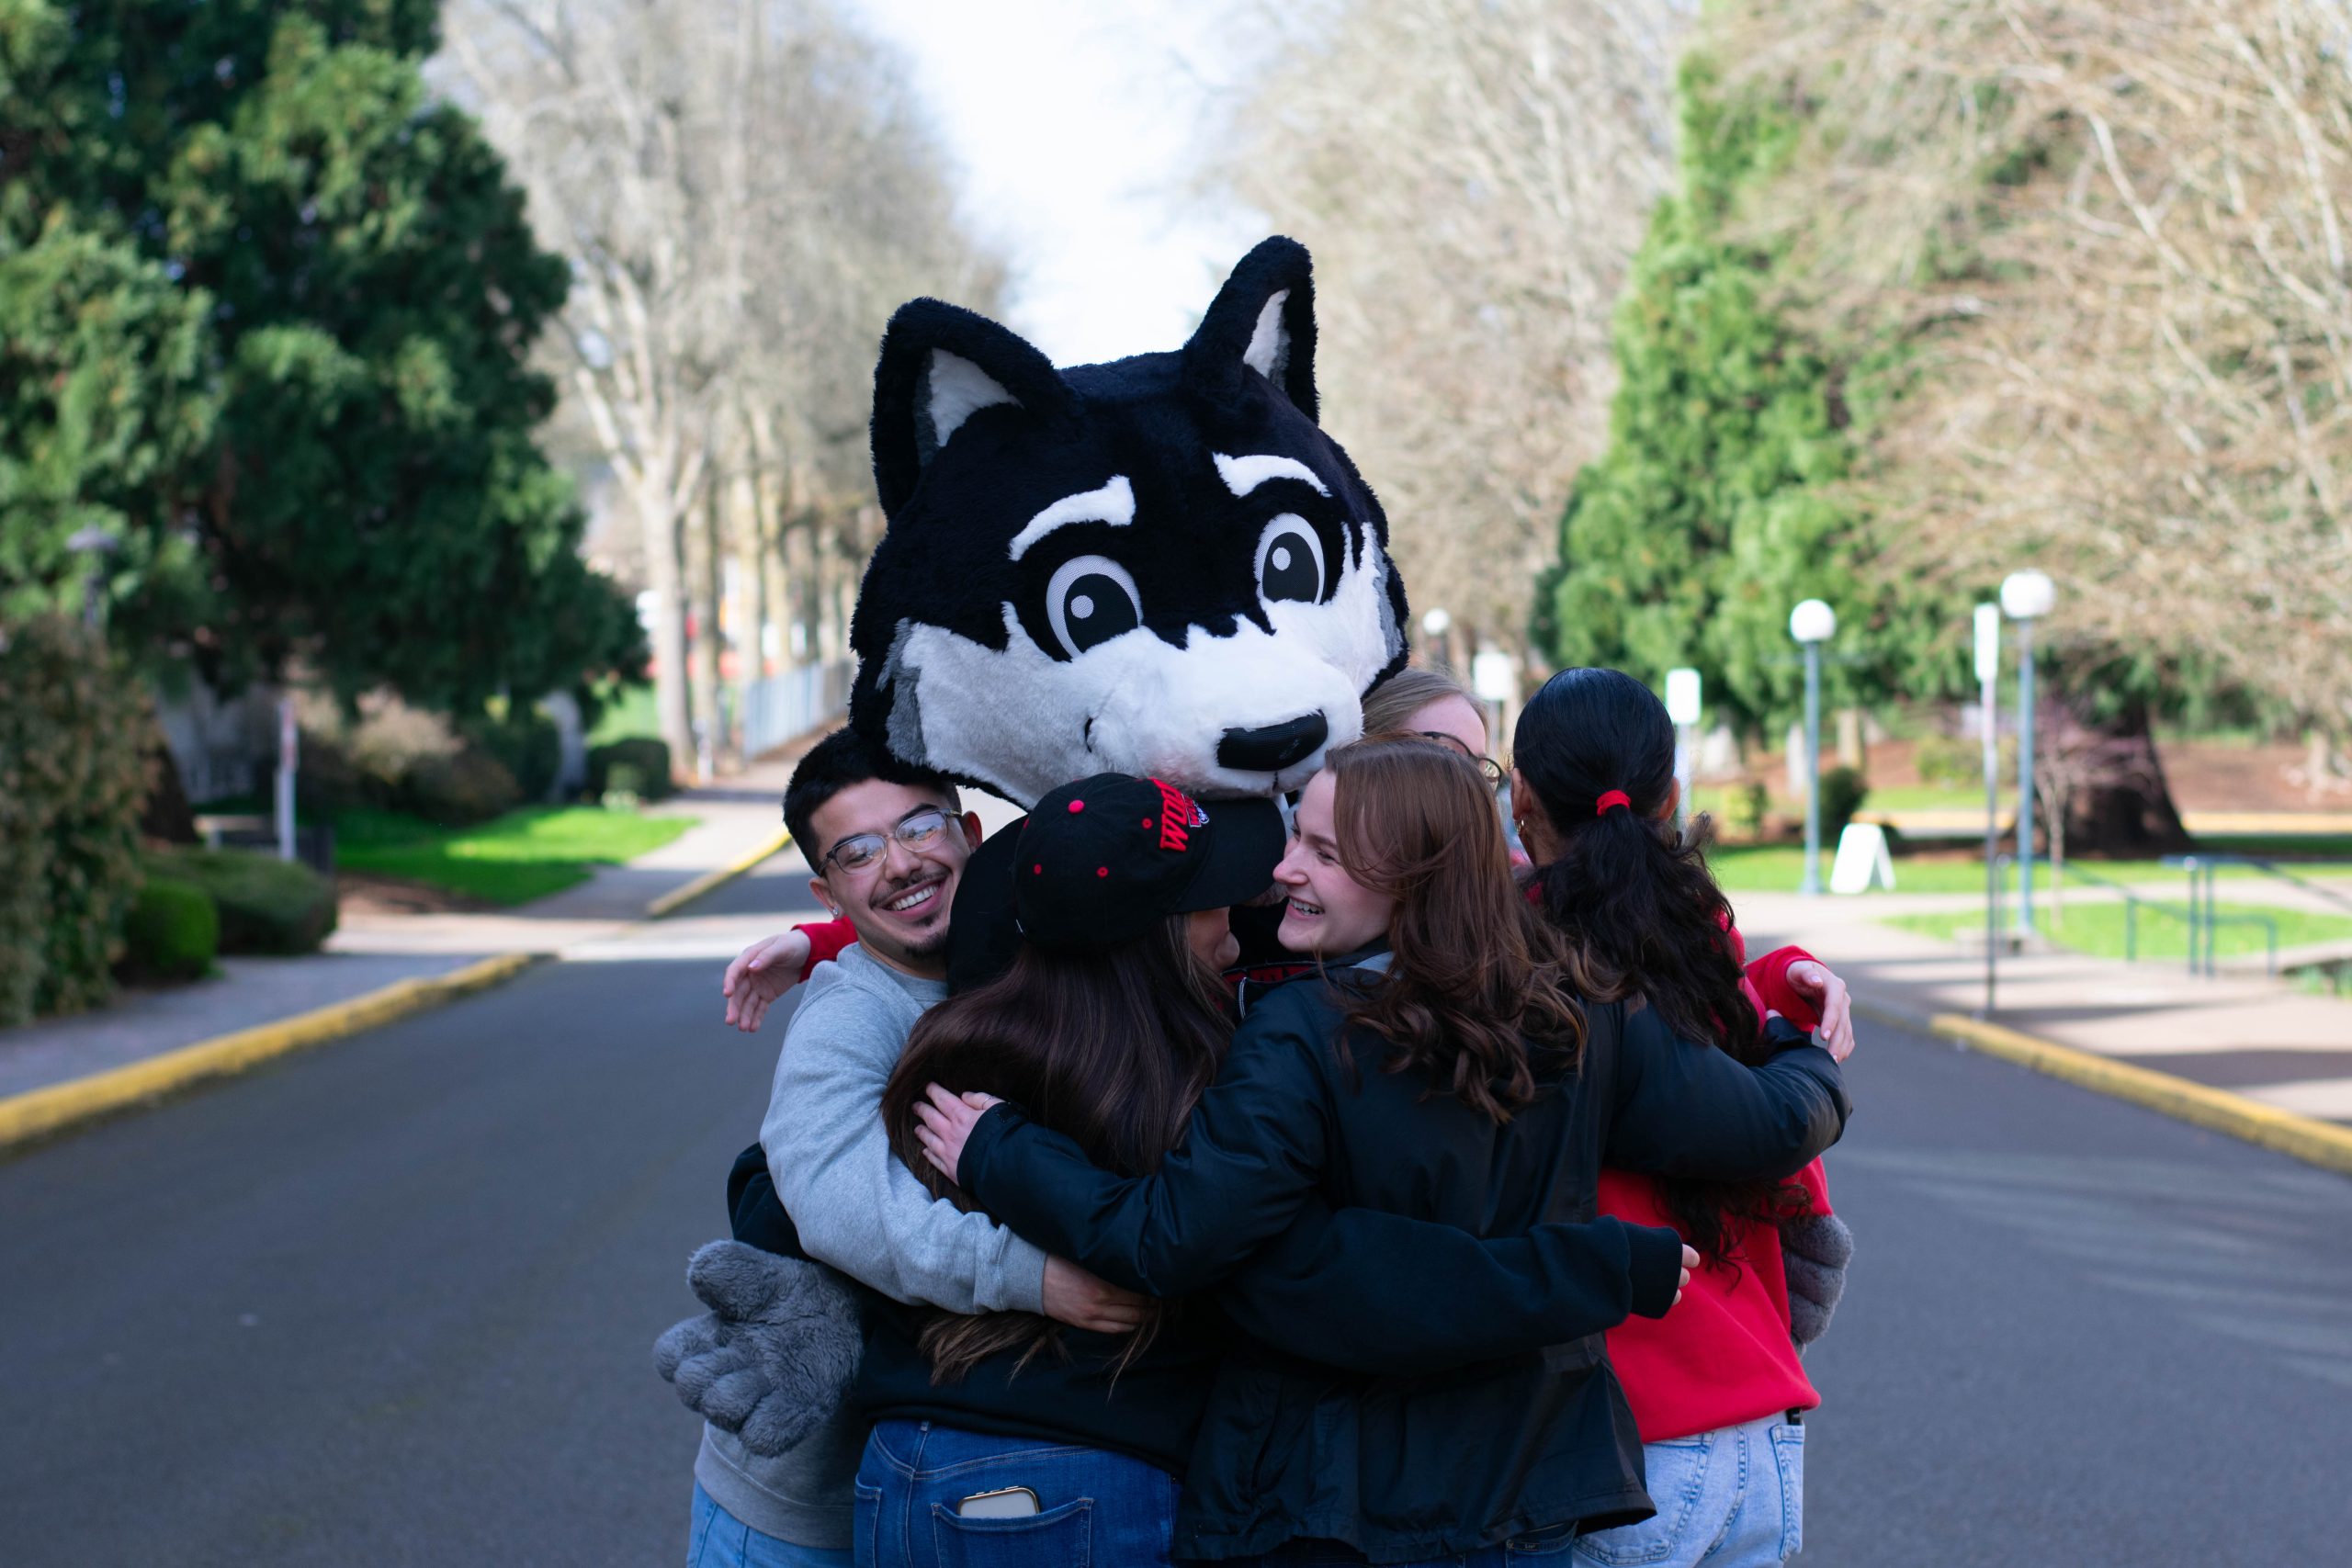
x: 1396, y: 1464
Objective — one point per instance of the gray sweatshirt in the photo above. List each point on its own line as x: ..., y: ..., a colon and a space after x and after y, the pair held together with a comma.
x: 858, y: 1208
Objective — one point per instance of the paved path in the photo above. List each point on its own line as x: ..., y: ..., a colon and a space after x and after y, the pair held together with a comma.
x: 390, y: 1302
x: 2245, y: 1032
x: 369, y: 952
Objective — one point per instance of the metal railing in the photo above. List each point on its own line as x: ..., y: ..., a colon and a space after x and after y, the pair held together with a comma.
x: 785, y: 706
x: 2205, y: 869
x: 2201, y: 914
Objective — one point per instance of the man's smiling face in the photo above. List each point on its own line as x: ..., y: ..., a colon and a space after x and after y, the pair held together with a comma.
x: 899, y: 903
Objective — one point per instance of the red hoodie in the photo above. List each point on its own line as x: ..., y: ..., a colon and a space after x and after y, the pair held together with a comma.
x: 1723, y: 1356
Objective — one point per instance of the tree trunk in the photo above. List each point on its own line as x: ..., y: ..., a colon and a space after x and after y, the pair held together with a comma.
x: 2131, y: 811
x: 706, y: 636
x: 164, y: 813
x: 665, y: 576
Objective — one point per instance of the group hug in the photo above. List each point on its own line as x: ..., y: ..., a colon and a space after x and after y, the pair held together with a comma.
x: 1462, y: 1244
x: 1302, y: 1138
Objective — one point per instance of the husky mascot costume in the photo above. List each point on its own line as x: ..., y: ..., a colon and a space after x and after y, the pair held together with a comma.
x: 1161, y: 565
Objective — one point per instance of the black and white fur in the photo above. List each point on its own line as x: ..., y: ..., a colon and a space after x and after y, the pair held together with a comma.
x: 1160, y: 565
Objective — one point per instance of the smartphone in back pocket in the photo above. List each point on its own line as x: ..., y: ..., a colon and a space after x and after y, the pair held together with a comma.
x: 1004, y: 1503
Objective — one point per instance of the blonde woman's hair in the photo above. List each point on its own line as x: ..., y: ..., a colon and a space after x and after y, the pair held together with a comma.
x: 1393, y: 703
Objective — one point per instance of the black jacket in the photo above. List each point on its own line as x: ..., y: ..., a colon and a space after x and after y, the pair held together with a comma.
x: 1404, y: 1466
x: 1326, y: 1289
x: 1475, y: 1299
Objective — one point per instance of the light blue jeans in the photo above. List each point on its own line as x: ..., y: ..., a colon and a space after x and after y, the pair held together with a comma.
x: 1097, y: 1509
x: 719, y: 1539
x: 1730, y: 1498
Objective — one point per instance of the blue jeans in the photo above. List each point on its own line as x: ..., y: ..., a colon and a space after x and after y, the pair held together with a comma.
x: 719, y: 1539
x: 1094, y: 1507
x: 1730, y: 1498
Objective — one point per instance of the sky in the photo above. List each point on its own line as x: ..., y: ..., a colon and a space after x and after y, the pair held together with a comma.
x: 1076, y: 129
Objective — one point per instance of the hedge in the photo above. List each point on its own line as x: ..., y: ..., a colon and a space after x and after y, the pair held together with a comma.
x: 72, y: 719
x: 268, y: 905
x: 173, y: 931
x: 636, y: 765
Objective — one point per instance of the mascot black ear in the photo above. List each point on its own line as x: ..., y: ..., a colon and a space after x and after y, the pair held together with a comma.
x: 1262, y: 321
x: 941, y: 365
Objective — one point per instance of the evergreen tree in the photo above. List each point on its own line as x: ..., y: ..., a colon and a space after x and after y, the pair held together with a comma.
x: 267, y: 310
x: 1719, y: 502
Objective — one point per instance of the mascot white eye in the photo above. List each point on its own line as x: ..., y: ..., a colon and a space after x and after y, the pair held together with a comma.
x: 1091, y: 599
x: 1290, y: 562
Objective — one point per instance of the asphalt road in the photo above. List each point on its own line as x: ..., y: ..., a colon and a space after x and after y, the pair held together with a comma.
x: 390, y: 1302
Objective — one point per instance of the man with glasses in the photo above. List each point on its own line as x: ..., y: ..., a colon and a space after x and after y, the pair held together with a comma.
x: 887, y: 844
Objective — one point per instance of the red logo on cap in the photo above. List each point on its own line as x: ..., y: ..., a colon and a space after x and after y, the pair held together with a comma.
x: 1178, y: 817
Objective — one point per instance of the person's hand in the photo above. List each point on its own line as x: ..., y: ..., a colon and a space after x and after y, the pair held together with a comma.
x: 1689, y: 1261
x: 945, y: 1121
x: 1813, y: 980
x: 1078, y: 1298
x: 759, y: 975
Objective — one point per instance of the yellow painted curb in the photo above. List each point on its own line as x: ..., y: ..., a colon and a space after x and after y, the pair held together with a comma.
x: 2303, y: 1137
x: 678, y: 897
x: 41, y: 1113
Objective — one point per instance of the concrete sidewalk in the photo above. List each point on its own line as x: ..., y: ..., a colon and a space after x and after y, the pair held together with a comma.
x: 369, y: 952
x: 2243, y: 1033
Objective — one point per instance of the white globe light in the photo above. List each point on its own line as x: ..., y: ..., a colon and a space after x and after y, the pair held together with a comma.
x: 1813, y: 621
x: 1436, y: 621
x: 2028, y: 595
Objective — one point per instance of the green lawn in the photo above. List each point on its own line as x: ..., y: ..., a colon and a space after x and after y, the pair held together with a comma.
x: 1882, y: 797
x: 631, y: 714
x: 1777, y: 868
x: 2098, y: 929
x: 526, y: 854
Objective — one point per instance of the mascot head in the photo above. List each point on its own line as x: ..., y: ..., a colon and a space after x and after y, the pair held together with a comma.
x: 1160, y: 565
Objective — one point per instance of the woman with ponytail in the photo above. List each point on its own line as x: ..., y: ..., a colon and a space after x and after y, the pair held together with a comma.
x: 1716, y: 1387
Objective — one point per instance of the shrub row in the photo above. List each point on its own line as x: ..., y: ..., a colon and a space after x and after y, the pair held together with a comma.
x: 72, y: 717
x: 416, y: 762
x: 173, y: 932
x: 265, y: 905
x: 638, y: 765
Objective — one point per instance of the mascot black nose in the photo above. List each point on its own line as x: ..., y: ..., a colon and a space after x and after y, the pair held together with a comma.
x: 1272, y: 748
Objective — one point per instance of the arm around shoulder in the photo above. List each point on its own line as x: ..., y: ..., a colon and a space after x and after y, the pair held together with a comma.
x: 854, y: 1202
x: 1252, y: 1152
x: 1683, y: 1109
x: 1377, y: 1292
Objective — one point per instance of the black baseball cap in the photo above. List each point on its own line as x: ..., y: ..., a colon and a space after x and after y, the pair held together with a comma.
x: 1102, y: 861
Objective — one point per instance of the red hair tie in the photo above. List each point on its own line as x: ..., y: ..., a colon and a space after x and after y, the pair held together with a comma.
x: 1614, y: 797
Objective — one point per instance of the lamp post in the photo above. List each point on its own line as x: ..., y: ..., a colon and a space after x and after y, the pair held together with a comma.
x: 1812, y: 623
x: 1682, y: 709
x: 1988, y: 673
x: 2025, y: 597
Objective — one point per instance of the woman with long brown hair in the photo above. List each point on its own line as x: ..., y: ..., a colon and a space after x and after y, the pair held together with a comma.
x: 1008, y: 1434
x: 1441, y: 1068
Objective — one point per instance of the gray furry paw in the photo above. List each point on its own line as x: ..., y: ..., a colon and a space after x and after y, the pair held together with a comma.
x: 775, y: 1355
x: 1816, y: 1251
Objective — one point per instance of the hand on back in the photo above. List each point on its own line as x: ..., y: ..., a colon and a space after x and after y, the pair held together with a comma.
x: 1077, y: 1298
x: 759, y: 975
x: 1814, y: 981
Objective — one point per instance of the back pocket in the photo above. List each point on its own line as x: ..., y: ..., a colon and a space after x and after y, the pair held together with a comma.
x: 1059, y: 1538
x: 1676, y: 1478
x: 866, y: 1531
x: 1788, y: 1449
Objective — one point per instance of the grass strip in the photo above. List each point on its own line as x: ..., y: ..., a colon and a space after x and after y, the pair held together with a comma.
x: 2097, y: 930
x: 523, y: 855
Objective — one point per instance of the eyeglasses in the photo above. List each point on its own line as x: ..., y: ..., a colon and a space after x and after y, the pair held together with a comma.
x: 862, y: 852
x: 1487, y: 766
